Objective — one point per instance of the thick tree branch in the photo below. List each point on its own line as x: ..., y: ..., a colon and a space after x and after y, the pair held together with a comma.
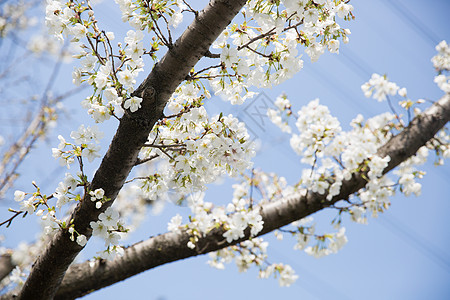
x: 6, y: 265
x: 49, y: 269
x: 86, y: 277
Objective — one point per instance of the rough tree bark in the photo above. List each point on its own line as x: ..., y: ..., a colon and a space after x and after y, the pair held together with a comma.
x: 84, y: 278
x: 50, y: 267
x: 6, y: 265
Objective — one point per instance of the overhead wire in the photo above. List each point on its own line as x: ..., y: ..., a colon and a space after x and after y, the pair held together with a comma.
x: 409, y: 18
x: 411, y: 237
x: 312, y: 283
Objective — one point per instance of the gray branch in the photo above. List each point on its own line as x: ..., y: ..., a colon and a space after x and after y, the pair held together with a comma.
x: 134, y: 128
x: 6, y: 265
x: 84, y: 278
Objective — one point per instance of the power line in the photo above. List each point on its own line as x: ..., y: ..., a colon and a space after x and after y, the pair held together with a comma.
x: 413, y: 21
x: 361, y: 67
x: 312, y: 283
x: 322, y: 76
x: 416, y: 241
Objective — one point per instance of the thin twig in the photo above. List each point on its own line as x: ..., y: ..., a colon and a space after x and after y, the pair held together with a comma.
x: 251, y: 188
x: 206, y: 69
x: 190, y: 8
x: 138, y: 178
x: 189, y: 78
x: 159, y: 33
x: 393, y: 110
x: 257, y: 52
x: 256, y: 38
x: 168, y: 30
x: 164, y: 146
x: 9, y: 221
x: 183, y: 111
x: 94, y: 48
x: 268, y: 33
x: 211, y: 55
x: 141, y: 161
x: 163, y: 151
x: 110, y: 54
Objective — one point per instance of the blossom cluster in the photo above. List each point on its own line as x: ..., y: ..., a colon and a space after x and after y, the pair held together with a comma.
x: 335, y: 154
x: 379, y: 88
x: 336, y: 242
x: 271, y: 186
x: 317, y: 129
x: 137, y: 13
x: 253, y: 252
x: 86, y: 145
x: 274, y: 188
x: 112, y: 71
x: 234, y: 219
x: 443, y: 82
x: 304, y: 233
x: 195, y: 150
x: 65, y: 194
x: 441, y: 145
x: 263, y: 51
x: 284, y: 109
x: 441, y: 61
x: 110, y: 228
x: 113, y: 81
x: 113, y: 76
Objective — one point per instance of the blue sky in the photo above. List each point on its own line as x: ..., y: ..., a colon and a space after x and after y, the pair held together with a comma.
x: 400, y: 255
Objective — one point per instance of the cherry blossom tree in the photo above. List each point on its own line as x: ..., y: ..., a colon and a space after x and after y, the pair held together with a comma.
x: 167, y: 147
